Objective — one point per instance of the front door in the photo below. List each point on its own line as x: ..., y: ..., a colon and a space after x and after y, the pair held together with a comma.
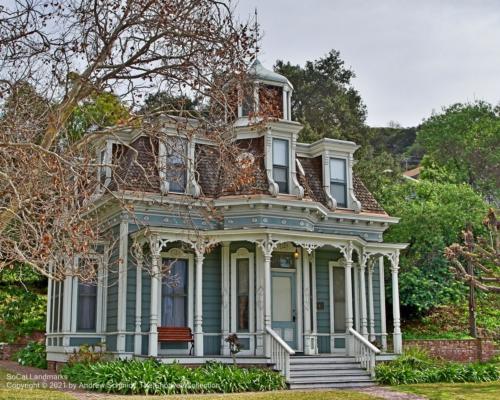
x: 284, y: 305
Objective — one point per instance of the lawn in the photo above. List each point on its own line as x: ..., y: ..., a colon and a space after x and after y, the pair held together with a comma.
x: 16, y: 388
x: 19, y: 389
x: 454, y: 391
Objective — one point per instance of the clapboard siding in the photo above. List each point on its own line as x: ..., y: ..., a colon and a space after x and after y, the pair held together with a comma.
x: 212, y: 300
x: 323, y: 257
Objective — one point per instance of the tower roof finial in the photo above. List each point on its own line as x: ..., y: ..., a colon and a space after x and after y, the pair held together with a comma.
x: 256, y: 33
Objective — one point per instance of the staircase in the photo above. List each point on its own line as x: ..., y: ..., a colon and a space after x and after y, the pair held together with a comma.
x: 317, y: 372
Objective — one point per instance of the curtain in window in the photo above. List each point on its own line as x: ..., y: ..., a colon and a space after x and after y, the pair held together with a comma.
x: 87, y: 307
x: 243, y: 293
x: 176, y: 168
x: 280, y: 164
x: 174, y: 294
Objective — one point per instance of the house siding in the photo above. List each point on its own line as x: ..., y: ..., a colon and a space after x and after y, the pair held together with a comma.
x: 212, y: 301
x: 322, y: 258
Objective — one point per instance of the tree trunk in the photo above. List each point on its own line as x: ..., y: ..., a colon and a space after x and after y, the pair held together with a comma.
x: 472, y: 301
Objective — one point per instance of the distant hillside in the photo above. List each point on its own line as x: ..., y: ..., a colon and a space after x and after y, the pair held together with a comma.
x: 398, y: 141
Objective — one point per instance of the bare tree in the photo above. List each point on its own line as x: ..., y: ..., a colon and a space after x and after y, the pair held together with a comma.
x: 54, y: 56
x: 477, y: 262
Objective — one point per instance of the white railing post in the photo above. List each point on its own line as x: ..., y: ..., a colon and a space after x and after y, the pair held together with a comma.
x: 364, y: 351
x: 280, y: 353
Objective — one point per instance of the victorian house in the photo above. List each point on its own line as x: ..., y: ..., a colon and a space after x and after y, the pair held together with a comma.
x: 295, y: 268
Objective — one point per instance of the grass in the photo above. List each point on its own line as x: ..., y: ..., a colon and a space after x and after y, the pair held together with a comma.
x: 454, y: 391
x: 30, y: 391
x: 13, y: 387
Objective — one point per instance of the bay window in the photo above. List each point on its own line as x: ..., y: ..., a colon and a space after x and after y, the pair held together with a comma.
x: 87, y: 307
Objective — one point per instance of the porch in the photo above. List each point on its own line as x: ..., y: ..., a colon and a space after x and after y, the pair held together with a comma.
x: 281, y: 292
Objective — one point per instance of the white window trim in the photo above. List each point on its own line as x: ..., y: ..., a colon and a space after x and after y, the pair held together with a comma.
x: 333, y: 333
x: 178, y: 254
x: 294, y: 188
x: 352, y: 203
x: 346, y: 181
x: 243, y: 253
x: 192, y: 187
x: 105, y: 163
x: 100, y: 324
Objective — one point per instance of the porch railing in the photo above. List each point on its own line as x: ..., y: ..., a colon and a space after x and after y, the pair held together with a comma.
x: 364, y: 351
x: 280, y: 353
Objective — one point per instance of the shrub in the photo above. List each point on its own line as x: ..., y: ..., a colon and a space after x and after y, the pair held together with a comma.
x: 88, y: 354
x: 33, y: 355
x: 153, y: 377
x: 416, y: 366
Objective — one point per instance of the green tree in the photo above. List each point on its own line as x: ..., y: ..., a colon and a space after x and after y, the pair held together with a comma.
x: 165, y: 102
x: 463, y: 142
x: 324, y: 99
x: 432, y: 216
x: 100, y: 110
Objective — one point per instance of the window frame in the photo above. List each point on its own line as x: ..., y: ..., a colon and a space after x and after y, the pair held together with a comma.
x: 177, y: 253
x: 185, y: 295
x: 165, y: 152
x: 282, y: 167
x: 337, y: 182
x: 101, y: 276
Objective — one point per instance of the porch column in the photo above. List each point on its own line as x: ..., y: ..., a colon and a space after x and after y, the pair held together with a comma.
x: 49, y: 305
x: 122, y: 284
x: 362, y: 298
x: 267, y: 301
x: 67, y: 301
x: 138, y: 306
x: 348, y: 298
x: 397, y: 339
x: 259, y: 300
x: 198, y: 308
x: 383, y: 321
x: 267, y: 245
x: 371, y: 308
x: 308, y: 344
x: 314, y: 336
x: 155, y: 287
x: 225, y: 298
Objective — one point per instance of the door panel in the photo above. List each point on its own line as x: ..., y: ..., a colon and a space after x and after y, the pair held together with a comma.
x: 284, y: 306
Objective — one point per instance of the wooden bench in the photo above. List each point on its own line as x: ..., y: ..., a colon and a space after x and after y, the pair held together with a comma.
x: 176, y: 334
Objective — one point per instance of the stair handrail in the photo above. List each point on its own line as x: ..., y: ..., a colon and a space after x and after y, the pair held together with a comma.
x: 280, y: 353
x: 364, y: 351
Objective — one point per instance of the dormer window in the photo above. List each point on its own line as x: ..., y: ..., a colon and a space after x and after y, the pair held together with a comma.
x: 176, y: 164
x: 338, y: 181
x: 107, y: 157
x: 280, y: 164
x: 102, y: 169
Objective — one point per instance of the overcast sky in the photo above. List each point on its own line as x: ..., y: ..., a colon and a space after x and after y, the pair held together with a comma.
x: 410, y: 56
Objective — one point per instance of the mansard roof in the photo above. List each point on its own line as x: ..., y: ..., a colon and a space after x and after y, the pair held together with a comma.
x: 213, y: 178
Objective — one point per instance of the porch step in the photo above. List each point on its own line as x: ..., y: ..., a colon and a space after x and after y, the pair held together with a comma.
x: 322, y: 372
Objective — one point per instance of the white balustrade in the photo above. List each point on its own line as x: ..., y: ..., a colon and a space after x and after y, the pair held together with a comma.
x: 364, y: 351
x: 280, y: 353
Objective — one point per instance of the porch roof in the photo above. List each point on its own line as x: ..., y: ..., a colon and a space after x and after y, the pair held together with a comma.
x: 309, y: 240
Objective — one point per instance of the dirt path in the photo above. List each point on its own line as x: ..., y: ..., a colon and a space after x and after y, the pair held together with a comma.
x: 389, y: 394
